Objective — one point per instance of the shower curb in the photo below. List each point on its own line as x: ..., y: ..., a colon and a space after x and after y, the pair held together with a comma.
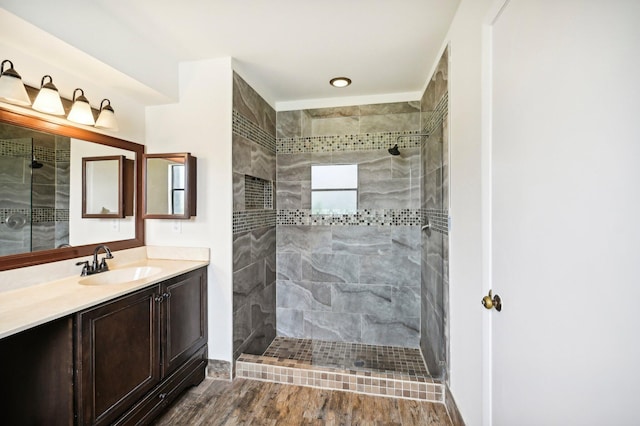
x: 394, y: 385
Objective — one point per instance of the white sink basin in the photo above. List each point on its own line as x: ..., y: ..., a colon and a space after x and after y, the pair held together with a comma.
x: 121, y: 276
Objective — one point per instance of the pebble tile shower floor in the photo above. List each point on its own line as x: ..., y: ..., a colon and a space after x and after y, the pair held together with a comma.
x: 376, y: 370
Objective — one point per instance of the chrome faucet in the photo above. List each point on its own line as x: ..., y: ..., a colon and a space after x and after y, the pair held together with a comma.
x: 96, y: 267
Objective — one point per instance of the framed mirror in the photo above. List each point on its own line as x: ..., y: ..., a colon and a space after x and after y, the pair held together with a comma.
x: 107, y: 187
x: 169, y: 186
x: 41, y: 192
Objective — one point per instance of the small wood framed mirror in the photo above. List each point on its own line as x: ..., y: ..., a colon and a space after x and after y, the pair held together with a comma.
x: 107, y: 187
x: 169, y: 186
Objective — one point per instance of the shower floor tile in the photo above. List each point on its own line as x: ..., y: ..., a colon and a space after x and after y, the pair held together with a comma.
x: 349, y: 356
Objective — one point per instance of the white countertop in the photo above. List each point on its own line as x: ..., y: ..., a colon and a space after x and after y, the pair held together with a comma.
x: 28, y: 307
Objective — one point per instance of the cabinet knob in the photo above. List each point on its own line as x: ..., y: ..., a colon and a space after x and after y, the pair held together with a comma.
x: 166, y: 295
x: 162, y: 395
x: 158, y: 298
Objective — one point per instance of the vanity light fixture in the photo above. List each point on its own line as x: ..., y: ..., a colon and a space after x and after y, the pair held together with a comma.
x: 81, y: 110
x: 107, y: 117
x: 12, y: 88
x: 340, y: 82
x: 48, y: 99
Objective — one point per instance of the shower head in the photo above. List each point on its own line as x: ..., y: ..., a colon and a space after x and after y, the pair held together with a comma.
x: 35, y: 164
x: 394, y: 150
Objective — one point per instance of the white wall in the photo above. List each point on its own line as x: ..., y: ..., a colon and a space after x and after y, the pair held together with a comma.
x: 200, y: 123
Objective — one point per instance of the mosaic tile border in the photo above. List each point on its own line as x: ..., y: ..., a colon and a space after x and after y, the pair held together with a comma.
x: 258, y: 193
x: 248, y: 220
x: 19, y: 147
x: 38, y: 215
x: 244, y: 127
x: 437, y: 115
x: 353, y: 142
x: 267, y: 369
x: 438, y: 218
x: 366, y: 217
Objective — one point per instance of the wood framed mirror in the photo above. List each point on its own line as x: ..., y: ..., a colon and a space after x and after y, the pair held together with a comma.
x: 39, y: 169
x: 107, y: 187
x: 169, y: 186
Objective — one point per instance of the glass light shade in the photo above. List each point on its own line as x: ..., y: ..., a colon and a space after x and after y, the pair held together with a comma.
x: 48, y: 99
x: 12, y: 89
x: 81, y: 110
x: 107, y: 117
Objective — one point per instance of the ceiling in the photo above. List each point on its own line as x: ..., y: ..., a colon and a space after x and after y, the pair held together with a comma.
x: 288, y: 50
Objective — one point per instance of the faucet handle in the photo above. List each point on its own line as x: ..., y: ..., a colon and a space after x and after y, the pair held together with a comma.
x: 85, y: 268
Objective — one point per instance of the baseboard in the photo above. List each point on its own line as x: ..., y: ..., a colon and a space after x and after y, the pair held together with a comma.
x: 218, y: 369
x: 452, y: 408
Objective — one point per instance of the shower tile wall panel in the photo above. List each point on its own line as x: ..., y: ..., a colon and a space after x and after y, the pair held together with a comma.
x: 254, y: 230
x: 350, y: 278
x: 434, y: 287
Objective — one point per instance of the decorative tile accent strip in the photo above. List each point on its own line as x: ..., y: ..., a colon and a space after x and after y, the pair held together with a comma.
x: 15, y: 147
x: 363, y: 142
x: 438, y: 218
x: 248, y: 220
x: 258, y: 193
x: 437, y: 115
x: 389, y: 217
x: 276, y: 370
x: 62, y: 215
x: 244, y: 127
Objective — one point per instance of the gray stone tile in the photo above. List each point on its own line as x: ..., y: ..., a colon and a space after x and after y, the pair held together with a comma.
x: 241, y: 250
x: 246, y: 281
x: 361, y: 239
x: 321, y: 158
x: 332, y: 268
x: 304, y: 295
x: 241, y: 326
x: 303, y: 239
x: 390, y: 123
x: 289, y: 124
x: 289, y: 266
x: 385, y: 194
x: 434, y: 158
x: 263, y: 163
x: 293, y: 167
x: 270, y: 267
x: 430, y: 194
x: 263, y: 242
x: 45, y: 196
x: 407, y: 164
x: 362, y: 299
x: 241, y: 155
x: 238, y: 192
x: 252, y: 106
x: 334, y: 126
x: 391, y: 332
x: 289, y: 195
x: 332, y: 326
x: 290, y: 322
x: 392, y: 270
x: 406, y: 240
x: 305, y: 196
x: 62, y: 196
x: 333, y: 112
x: 390, y: 108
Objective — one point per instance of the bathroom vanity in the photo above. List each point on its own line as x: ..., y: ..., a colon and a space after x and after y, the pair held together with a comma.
x: 112, y: 348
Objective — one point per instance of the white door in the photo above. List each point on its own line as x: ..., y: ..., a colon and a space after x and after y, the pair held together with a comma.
x: 565, y: 212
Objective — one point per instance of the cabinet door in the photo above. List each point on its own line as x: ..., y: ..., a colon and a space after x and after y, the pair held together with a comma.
x: 119, y: 354
x: 184, y: 317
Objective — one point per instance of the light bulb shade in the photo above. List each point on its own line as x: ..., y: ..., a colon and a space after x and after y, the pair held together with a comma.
x: 81, y: 110
x: 48, y: 99
x: 107, y: 117
x: 12, y: 89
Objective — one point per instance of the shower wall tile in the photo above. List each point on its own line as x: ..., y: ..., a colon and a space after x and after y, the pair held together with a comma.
x: 263, y: 243
x: 399, y: 332
x: 238, y: 192
x: 389, y: 122
x: 304, y: 295
x: 361, y: 240
x: 385, y: 194
x: 241, y: 155
x: 289, y: 195
x: 263, y: 163
x: 289, y: 124
x: 332, y: 112
x: 334, y: 126
x: 333, y: 326
x: 390, y: 108
x: 293, y: 167
x: 289, y: 266
x: 407, y: 164
x: 396, y: 270
x: 246, y: 281
x: 405, y: 241
x: 362, y: 299
x: 43, y: 196
x: 290, y: 322
x: 252, y: 106
x: 304, y: 239
x: 241, y: 250
x: 334, y: 268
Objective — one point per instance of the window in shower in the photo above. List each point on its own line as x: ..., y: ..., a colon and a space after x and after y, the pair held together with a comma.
x: 334, y: 189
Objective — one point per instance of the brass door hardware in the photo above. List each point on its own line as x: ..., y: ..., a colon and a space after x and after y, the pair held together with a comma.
x: 492, y: 302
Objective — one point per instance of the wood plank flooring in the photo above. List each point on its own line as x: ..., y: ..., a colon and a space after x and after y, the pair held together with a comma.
x: 251, y: 402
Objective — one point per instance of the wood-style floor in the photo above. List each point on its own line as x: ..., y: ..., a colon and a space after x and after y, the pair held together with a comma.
x: 251, y: 402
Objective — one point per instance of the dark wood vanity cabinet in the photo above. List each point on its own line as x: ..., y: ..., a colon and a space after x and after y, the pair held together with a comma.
x: 135, y: 354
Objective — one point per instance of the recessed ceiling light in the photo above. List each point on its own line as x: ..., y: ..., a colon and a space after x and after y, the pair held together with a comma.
x: 340, y: 82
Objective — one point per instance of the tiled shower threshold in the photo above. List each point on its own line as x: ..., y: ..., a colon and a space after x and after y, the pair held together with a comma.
x: 374, y: 370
